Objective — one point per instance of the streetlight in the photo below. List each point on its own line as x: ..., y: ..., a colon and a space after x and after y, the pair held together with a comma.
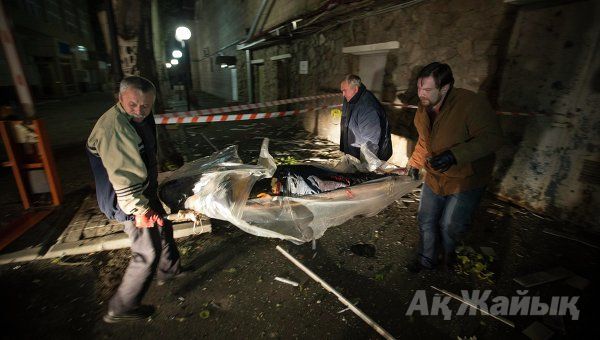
x: 177, y: 54
x: 182, y: 34
x: 168, y: 65
x: 174, y: 61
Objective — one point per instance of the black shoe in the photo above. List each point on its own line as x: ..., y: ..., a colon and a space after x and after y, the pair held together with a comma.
x: 450, y: 262
x: 162, y: 282
x: 139, y: 313
x: 415, y: 266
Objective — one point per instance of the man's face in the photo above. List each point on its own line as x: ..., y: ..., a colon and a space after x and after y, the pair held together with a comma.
x: 429, y: 94
x: 348, y: 91
x: 137, y: 103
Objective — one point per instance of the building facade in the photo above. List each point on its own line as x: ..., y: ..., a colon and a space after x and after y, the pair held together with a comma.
x: 539, y: 59
x: 55, y: 41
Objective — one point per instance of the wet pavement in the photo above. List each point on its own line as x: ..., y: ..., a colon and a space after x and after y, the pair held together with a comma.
x: 231, y: 291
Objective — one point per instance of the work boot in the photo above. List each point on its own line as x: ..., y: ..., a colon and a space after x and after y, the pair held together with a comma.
x: 139, y: 313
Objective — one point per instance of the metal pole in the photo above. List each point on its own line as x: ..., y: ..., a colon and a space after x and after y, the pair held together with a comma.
x: 263, y: 5
x: 340, y: 297
x: 471, y: 304
x: 249, y: 76
x: 16, y: 68
x: 188, y: 69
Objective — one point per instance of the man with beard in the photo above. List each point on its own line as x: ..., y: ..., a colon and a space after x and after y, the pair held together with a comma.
x: 122, y: 153
x: 364, y: 121
x: 458, y: 136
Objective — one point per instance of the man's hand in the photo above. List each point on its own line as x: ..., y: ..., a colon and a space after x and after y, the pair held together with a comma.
x: 413, y: 173
x: 443, y: 161
x: 148, y: 219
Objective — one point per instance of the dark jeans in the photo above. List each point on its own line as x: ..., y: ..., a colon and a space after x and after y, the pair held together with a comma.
x: 446, y: 218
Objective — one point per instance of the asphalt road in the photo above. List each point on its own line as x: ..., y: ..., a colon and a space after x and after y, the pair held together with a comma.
x: 231, y: 292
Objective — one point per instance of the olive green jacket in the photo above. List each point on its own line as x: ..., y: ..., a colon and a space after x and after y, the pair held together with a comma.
x: 117, y: 143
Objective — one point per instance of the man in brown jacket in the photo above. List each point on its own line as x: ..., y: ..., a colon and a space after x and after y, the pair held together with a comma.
x: 458, y: 135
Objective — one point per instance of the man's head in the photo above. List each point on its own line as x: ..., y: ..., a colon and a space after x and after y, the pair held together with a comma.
x: 136, y: 95
x: 433, y: 83
x: 350, y: 86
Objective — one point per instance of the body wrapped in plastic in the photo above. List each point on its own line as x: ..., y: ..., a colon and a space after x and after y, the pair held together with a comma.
x: 219, y: 187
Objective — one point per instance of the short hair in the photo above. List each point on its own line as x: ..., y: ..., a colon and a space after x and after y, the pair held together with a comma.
x: 352, y: 79
x: 138, y: 83
x: 441, y: 74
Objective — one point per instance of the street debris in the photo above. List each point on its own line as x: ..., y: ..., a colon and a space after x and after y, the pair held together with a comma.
x: 363, y: 249
x: 488, y: 251
x: 343, y: 310
x: 555, y: 322
x: 208, y: 141
x: 495, y: 212
x: 578, y: 282
x: 569, y: 237
x: 289, y: 282
x: 401, y: 204
x: 340, y: 297
x: 472, y: 305
x: 542, y: 277
x: 470, y: 262
x: 541, y: 217
x: 59, y: 261
x: 287, y: 160
x: 537, y: 331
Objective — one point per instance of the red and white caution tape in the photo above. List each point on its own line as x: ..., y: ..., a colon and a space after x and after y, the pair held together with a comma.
x: 219, y: 110
x: 234, y: 117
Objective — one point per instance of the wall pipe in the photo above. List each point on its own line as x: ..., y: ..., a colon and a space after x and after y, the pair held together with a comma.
x: 249, y: 79
x: 249, y: 76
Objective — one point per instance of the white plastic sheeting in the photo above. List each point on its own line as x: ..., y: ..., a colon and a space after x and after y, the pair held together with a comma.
x: 224, y: 185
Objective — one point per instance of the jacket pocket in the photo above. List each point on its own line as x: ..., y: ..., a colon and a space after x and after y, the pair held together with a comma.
x: 460, y: 171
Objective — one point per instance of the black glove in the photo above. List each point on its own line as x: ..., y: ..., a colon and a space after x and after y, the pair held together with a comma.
x: 413, y: 173
x: 443, y: 161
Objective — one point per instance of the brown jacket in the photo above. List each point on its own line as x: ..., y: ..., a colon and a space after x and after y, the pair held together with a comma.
x: 467, y: 125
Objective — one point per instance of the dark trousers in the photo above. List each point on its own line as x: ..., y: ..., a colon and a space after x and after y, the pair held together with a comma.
x: 153, y: 250
x: 446, y: 218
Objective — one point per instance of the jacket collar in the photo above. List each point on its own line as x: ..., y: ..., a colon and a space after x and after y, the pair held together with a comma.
x: 449, y: 98
x: 123, y: 112
x: 130, y: 117
x: 361, y: 90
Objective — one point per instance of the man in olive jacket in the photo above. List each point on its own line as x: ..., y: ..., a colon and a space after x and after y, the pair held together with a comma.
x: 363, y: 121
x: 458, y: 136
x: 122, y: 152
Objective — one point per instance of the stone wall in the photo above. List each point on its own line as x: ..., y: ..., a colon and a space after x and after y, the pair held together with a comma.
x: 553, y: 66
x: 432, y: 30
x: 540, y: 57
